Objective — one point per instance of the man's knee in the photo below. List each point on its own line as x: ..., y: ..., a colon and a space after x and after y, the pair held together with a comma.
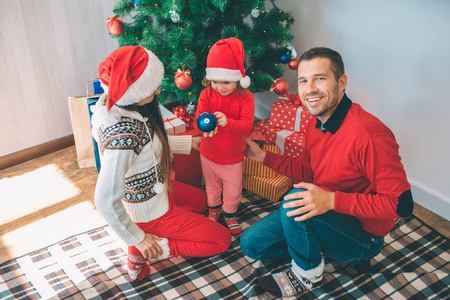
x: 248, y: 244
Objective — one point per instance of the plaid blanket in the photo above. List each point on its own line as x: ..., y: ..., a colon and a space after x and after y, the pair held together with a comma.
x: 414, y: 264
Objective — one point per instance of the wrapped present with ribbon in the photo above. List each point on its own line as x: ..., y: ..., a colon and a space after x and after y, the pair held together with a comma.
x: 172, y: 123
x: 271, y: 188
x: 288, y: 113
x: 186, y: 113
x: 290, y: 142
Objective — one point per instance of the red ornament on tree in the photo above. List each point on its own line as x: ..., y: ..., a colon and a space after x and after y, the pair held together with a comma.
x: 280, y: 87
x: 115, y: 25
x: 183, y: 79
x: 293, y: 64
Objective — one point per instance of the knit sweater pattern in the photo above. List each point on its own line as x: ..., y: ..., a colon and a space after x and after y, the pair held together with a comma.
x: 130, y: 166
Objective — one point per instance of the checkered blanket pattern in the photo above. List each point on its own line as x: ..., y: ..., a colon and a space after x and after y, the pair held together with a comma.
x: 414, y: 264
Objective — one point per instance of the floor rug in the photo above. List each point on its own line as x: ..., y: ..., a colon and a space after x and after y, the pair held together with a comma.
x: 414, y: 264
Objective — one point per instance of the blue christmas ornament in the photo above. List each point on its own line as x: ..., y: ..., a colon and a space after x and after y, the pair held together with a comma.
x: 285, y: 58
x: 206, y: 122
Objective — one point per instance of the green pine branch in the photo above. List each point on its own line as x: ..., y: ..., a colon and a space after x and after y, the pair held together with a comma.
x: 183, y: 43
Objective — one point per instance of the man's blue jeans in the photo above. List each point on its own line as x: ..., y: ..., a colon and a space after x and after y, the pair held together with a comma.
x: 335, y: 235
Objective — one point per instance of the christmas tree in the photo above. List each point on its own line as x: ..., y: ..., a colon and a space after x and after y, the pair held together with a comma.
x: 181, y: 32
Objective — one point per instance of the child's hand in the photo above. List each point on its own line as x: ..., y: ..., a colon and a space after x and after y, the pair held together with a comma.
x: 221, y: 118
x: 211, y: 133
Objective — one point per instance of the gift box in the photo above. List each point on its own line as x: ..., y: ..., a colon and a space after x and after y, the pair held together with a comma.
x: 288, y: 113
x: 97, y: 86
x: 187, y: 168
x: 258, y: 169
x: 172, y: 123
x: 186, y: 113
x: 290, y: 142
x: 271, y: 188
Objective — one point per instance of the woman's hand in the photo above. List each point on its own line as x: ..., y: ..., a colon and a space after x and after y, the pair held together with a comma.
x: 196, y: 141
x: 149, y: 248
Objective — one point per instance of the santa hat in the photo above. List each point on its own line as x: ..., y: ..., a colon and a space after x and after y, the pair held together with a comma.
x: 130, y: 74
x: 225, y: 62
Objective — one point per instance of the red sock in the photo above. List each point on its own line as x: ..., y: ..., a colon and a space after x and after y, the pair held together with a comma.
x: 214, y: 213
x: 138, y: 268
x: 233, y: 225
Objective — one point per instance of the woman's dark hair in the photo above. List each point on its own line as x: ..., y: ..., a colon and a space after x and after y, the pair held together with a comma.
x: 152, y: 112
x: 337, y: 64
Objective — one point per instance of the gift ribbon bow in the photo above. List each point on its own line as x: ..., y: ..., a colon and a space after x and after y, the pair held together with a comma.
x: 168, y: 122
x: 294, y: 98
x: 185, y: 73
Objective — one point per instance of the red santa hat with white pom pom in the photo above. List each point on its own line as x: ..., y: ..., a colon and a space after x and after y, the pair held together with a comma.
x: 225, y: 62
x: 130, y: 74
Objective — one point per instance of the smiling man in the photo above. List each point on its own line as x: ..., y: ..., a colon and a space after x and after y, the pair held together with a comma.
x: 352, y: 185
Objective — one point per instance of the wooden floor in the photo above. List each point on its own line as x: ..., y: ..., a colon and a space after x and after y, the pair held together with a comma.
x: 48, y: 199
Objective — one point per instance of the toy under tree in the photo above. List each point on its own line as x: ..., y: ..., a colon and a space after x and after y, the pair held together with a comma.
x: 181, y: 32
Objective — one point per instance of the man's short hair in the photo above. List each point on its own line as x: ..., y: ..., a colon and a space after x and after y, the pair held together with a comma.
x: 337, y: 64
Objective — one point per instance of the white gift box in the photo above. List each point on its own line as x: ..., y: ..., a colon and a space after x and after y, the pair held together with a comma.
x: 172, y: 123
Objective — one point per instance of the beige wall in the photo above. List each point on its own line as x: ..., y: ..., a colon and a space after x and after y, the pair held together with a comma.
x: 48, y: 50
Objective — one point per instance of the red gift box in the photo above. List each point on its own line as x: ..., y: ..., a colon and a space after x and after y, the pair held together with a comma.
x: 288, y: 113
x: 188, y: 169
x: 290, y: 142
x: 182, y: 113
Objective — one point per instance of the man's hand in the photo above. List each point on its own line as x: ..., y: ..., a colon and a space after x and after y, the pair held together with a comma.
x: 253, y: 152
x: 149, y: 248
x: 312, y: 202
x: 196, y: 141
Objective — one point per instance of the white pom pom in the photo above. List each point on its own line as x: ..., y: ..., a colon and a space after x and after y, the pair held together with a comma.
x: 245, y: 82
x: 158, y: 187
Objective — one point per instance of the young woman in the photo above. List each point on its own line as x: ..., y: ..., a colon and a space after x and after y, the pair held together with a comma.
x: 155, y: 219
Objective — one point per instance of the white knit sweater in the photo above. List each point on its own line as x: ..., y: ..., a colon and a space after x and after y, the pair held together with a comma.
x: 127, y: 157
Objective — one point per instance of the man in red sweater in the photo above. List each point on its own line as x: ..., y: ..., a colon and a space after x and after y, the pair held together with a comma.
x: 352, y: 184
